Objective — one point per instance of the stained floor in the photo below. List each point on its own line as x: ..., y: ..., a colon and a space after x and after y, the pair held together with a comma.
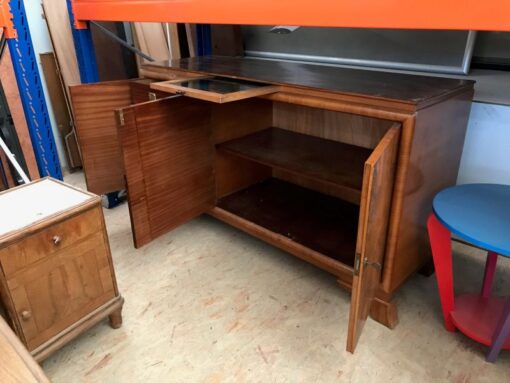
x: 207, y: 303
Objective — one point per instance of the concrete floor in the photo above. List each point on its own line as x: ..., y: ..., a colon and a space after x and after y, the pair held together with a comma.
x: 207, y: 303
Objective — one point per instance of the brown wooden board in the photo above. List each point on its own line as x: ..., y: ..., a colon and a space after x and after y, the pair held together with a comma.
x: 61, y: 109
x: 114, y: 62
x: 168, y: 157
x: 325, y: 224
x: 334, y: 162
x: 59, y: 26
x: 372, y: 231
x: 17, y: 364
x: 226, y: 40
x: 94, y: 109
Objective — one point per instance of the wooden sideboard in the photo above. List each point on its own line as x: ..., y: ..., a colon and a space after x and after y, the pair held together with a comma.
x: 335, y: 166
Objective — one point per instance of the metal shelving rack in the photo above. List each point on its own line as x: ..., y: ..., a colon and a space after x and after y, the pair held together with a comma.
x: 30, y: 88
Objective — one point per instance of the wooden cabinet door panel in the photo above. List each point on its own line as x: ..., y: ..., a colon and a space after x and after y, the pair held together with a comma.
x: 168, y: 157
x: 94, y: 113
x: 59, y: 290
x: 378, y: 180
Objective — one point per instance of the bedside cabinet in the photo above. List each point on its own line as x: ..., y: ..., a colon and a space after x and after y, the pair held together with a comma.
x: 56, y: 271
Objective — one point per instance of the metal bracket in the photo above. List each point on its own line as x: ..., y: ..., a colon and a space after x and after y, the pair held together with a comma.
x: 120, y: 117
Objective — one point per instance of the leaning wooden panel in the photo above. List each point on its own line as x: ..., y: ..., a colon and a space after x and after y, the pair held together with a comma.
x: 17, y: 364
x: 94, y: 106
x: 372, y: 231
x: 57, y: 18
x: 170, y: 170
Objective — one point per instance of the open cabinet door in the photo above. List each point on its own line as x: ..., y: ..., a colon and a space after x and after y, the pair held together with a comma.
x: 168, y: 159
x: 378, y: 180
x: 94, y: 115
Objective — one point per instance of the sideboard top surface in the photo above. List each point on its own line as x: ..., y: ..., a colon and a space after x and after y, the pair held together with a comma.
x: 404, y: 88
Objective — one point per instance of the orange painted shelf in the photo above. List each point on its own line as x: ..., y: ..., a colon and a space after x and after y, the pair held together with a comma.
x: 398, y: 14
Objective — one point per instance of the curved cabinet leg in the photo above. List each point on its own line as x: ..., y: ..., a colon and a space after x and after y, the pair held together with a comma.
x: 116, y: 318
x: 440, y: 242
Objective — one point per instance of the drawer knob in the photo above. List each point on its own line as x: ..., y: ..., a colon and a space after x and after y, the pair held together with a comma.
x: 56, y: 240
x: 26, y: 315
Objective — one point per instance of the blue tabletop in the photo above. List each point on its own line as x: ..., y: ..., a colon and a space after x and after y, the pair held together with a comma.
x: 477, y: 213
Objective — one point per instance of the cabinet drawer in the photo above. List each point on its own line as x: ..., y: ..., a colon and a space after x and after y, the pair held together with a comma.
x: 48, y: 241
x: 61, y: 289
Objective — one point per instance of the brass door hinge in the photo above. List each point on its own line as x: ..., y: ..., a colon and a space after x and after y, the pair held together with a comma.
x: 120, y: 117
x: 366, y: 262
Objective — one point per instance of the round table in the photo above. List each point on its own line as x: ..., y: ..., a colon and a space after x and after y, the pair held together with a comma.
x: 478, y: 214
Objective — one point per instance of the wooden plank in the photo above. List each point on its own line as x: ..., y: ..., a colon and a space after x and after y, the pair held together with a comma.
x: 111, y: 62
x: 227, y: 40
x: 17, y: 365
x: 172, y: 38
x: 59, y: 26
x: 61, y: 108
x: 11, y: 91
x: 191, y: 36
x: 151, y: 39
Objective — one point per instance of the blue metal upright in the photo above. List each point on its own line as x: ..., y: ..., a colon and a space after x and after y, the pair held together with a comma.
x: 85, y: 53
x: 204, y: 46
x: 32, y: 95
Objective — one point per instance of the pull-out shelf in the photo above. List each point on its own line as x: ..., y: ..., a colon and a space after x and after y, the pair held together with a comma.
x: 215, y: 89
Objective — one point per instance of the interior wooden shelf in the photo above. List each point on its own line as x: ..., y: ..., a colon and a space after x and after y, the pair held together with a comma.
x: 324, y: 160
x: 322, y: 223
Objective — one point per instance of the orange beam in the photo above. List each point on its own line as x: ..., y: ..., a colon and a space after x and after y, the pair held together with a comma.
x: 399, y: 14
x: 6, y: 20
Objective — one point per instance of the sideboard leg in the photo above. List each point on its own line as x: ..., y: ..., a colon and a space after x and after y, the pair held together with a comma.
x: 116, y: 318
x: 384, y: 312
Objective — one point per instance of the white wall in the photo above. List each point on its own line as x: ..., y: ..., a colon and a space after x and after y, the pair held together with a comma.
x: 486, y: 155
x: 42, y: 44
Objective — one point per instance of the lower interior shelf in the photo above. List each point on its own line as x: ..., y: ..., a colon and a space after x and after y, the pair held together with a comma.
x: 322, y: 223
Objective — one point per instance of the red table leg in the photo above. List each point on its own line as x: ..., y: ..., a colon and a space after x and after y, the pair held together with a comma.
x: 488, y: 277
x: 440, y: 242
